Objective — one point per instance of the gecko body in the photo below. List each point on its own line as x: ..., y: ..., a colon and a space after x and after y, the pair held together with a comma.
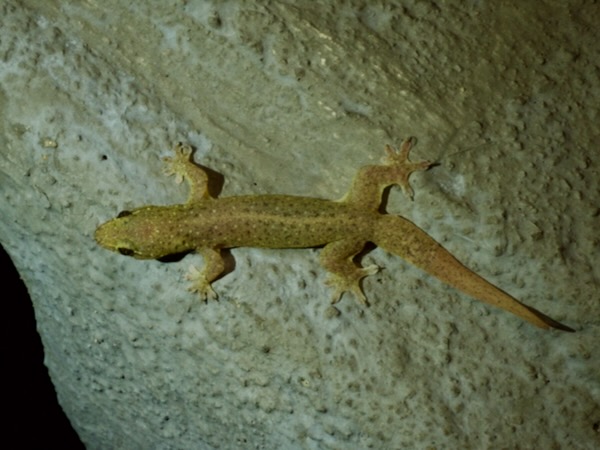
x: 206, y: 225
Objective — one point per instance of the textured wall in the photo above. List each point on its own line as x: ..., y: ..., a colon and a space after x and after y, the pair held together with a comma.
x: 293, y: 98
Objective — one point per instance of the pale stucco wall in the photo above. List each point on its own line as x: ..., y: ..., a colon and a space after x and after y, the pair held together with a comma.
x: 293, y: 98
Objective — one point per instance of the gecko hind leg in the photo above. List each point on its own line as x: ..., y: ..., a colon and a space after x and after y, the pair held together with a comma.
x: 370, y: 181
x: 338, y: 258
x: 403, y: 167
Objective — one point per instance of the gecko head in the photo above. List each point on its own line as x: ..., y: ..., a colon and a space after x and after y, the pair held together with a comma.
x: 140, y: 233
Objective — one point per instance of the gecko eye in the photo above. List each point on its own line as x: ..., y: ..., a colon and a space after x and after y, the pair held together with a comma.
x: 123, y: 214
x: 125, y: 251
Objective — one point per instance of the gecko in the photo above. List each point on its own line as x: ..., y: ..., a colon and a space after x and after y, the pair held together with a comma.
x: 207, y: 225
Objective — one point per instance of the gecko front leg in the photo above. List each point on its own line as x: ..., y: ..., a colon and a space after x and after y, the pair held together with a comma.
x: 184, y: 169
x: 202, y: 279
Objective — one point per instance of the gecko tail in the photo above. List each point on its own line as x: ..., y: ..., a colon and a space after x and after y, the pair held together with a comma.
x: 401, y: 237
x: 549, y: 321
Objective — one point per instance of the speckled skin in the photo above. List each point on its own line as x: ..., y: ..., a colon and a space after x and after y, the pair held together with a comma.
x: 206, y: 225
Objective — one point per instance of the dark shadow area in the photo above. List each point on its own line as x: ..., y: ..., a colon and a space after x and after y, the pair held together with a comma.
x: 35, y: 419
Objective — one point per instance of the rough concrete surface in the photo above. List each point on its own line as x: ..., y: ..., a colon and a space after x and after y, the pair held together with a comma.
x: 293, y: 97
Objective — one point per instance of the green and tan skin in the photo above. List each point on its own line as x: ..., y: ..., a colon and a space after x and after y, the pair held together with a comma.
x: 207, y: 225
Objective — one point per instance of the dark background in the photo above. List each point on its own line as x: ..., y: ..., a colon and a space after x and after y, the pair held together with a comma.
x: 35, y: 419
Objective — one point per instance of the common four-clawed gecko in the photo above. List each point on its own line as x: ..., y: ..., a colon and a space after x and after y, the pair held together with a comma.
x: 206, y: 225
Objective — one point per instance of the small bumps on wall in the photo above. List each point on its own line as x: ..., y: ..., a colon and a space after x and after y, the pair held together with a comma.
x: 290, y: 99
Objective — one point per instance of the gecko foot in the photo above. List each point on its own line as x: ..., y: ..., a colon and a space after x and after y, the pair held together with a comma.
x: 350, y: 282
x: 200, y: 284
x: 178, y: 165
x: 183, y: 168
x: 404, y: 167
